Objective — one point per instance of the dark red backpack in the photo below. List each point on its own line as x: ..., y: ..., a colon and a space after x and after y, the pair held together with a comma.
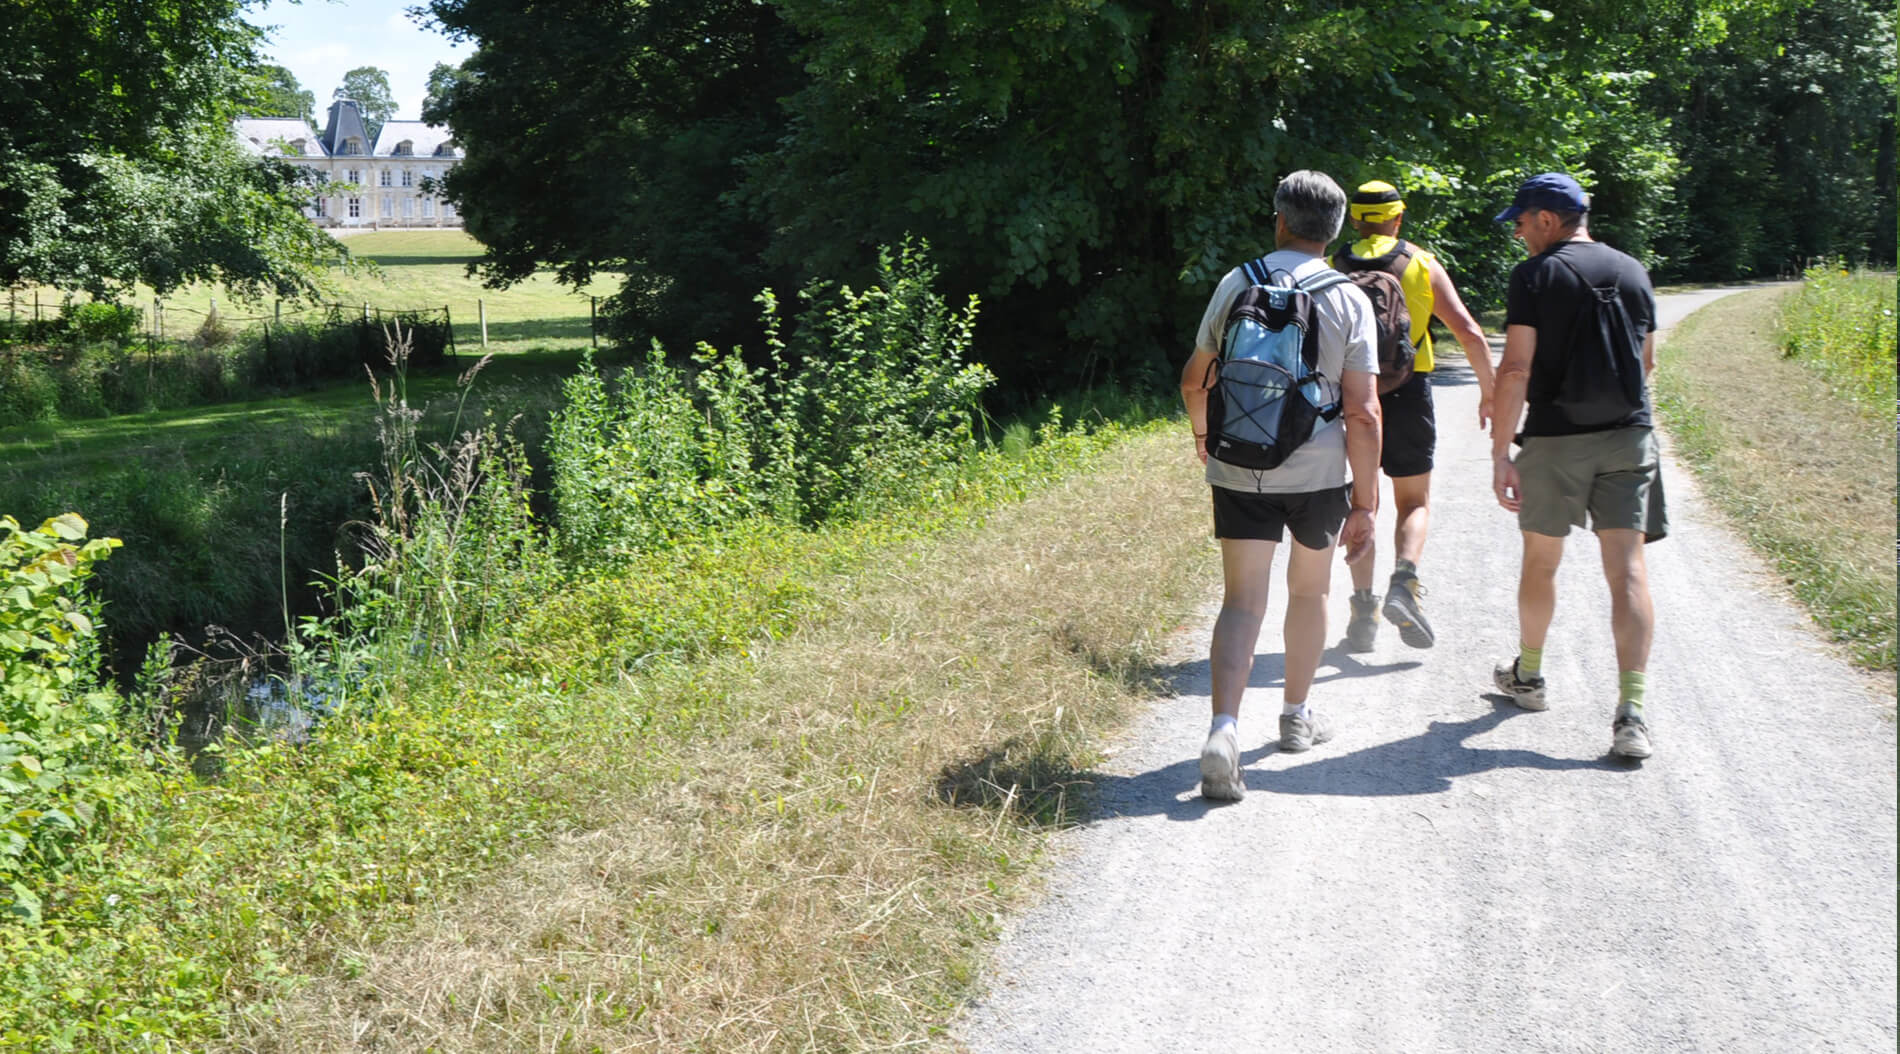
x: 1378, y: 278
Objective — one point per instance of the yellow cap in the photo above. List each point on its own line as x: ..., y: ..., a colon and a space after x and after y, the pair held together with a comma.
x: 1376, y: 202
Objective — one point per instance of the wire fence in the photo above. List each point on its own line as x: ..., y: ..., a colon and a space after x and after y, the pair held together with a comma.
x: 160, y: 321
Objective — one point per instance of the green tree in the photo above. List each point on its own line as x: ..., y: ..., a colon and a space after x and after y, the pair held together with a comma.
x: 442, y: 80
x: 1786, y: 130
x: 369, y: 86
x: 117, y: 161
x: 643, y: 113
x: 1089, y: 169
x: 276, y: 93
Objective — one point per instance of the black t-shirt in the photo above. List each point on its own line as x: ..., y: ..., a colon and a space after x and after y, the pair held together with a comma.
x: 1545, y: 294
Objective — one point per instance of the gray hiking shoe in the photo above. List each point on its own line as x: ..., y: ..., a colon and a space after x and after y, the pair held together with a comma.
x: 1364, y: 624
x: 1402, y: 610
x: 1301, y: 733
x: 1527, y: 692
x: 1629, y: 735
x: 1220, y: 767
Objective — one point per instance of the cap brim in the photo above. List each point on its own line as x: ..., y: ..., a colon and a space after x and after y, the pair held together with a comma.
x: 1509, y: 214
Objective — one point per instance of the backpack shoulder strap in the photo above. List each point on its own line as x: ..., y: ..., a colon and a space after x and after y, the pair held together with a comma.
x: 1323, y: 280
x: 1256, y: 272
x: 1615, y: 280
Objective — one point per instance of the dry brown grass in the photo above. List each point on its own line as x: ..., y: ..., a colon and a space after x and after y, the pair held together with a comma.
x: 824, y: 874
x: 1806, y: 476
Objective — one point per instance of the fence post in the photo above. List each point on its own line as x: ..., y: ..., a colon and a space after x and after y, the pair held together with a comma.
x: 481, y: 310
x: 36, y: 305
x: 12, y: 295
x: 366, y: 311
x: 450, y: 323
x: 277, y: 315
x: 158, y: 317
x: 593, y: 319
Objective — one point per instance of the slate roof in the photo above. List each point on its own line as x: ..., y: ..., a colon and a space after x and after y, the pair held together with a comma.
x: 269, y: 135
x: 424, y: 140
x: 345, y: 122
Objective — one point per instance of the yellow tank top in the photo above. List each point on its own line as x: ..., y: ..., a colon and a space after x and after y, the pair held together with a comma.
x: 1417, y: 283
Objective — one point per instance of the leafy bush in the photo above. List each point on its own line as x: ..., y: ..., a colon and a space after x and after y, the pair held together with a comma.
x: 881, y: 396
x: 101, y: 321
x: 869, y: 400
x: 54, y: 723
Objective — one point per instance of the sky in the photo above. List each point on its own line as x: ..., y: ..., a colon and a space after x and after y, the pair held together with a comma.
x: 321, y: 40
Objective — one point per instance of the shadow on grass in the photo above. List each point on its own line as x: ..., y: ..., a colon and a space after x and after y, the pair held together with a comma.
x: 468, y: 331
x: 1030, y: 778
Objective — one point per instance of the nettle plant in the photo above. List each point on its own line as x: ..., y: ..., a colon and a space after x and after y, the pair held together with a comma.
x: 56, y: 725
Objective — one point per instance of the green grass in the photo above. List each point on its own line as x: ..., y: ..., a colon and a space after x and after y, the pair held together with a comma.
x: 1786, y: 452
x: 413, y: 269
x: 1841, y: 325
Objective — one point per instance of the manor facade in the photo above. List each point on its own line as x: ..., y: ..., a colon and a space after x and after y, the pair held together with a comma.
x: 392, y: 182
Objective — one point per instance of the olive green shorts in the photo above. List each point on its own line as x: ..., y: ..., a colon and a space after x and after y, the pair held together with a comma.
x: 1602, y: 480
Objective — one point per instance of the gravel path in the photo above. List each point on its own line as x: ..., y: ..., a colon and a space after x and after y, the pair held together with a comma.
x: 1453, y: 874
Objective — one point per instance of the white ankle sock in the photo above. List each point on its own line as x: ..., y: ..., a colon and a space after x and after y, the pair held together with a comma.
x: 1225, y: 720
x: 1293, y: 709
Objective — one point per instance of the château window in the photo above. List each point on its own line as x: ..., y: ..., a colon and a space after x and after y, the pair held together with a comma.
x: 406, y: 148
x: 386, y: 181
x: 356, y: 208
x: 408, y: 178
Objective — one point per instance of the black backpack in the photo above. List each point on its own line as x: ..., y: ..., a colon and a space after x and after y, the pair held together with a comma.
x: 1603, y: 366
x: 1267, y: 399
x: 1378, y: 278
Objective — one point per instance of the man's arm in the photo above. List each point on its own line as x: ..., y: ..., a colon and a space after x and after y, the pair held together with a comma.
x: 1513, y: 379
x: 1450, y: 309
x: 1359, y: 396
x: 1197, y: 375
x: 1649, y: 354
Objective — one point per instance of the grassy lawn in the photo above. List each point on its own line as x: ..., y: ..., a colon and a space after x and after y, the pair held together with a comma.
x: 537, y: 332
x: 1805, y: 474
x: 414, y: 269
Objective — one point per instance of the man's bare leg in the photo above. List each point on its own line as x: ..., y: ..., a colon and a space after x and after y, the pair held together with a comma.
x: 1247, y: 568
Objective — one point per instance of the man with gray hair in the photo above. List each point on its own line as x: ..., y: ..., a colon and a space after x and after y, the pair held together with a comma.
x: 1306, y: 492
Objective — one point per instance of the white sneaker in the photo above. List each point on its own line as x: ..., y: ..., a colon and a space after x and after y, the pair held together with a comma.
x: 1220, y: 766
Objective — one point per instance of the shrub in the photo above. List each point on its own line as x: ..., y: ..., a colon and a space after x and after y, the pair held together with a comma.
x: 101, y: 321
x: 55, y: 725
x: 1841, y: 323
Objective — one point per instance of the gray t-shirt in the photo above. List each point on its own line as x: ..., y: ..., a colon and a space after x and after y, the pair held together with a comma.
x: 1347, y: 332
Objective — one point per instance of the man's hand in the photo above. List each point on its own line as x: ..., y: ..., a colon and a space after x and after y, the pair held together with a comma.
x: 1200, y: 446
x: 1356, y: 535
x: 1505, y: 482
x: 1484, y: 411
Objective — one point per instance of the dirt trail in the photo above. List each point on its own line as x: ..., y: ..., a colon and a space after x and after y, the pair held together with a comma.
x: 1453, y: 874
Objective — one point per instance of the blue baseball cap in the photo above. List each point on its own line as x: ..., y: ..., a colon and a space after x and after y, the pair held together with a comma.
x: 1552, y: 190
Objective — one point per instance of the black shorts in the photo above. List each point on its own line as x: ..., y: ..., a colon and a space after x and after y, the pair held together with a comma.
x: 1410, y: 428
x: 1315, y: 516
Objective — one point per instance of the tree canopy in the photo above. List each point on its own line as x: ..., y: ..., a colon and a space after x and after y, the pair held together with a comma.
x: 375, y: 99
x: 1091, y: 168
x: 117, y: 162
x: 276, y: 93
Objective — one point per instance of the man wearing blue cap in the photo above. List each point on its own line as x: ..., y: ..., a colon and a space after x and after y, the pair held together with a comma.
x: 1579, y: 344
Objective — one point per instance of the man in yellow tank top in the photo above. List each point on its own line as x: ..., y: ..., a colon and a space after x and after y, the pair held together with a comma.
x: 1411, y: 431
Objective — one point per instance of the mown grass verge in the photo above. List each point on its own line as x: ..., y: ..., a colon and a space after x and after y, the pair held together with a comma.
x: 1804, y: 469
x: 809, y: 843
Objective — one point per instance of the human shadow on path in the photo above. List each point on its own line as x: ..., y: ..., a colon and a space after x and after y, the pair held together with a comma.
x: 1423, y: 764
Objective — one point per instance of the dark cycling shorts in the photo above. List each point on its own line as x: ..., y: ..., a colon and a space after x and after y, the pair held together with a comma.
x: 1409, y: 426
x: 1314, y: 516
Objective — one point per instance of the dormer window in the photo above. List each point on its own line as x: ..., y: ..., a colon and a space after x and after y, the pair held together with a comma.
x: 445, y: 150
x: 294, y: 148
x: 406, y: 148
x: 353, y: 146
